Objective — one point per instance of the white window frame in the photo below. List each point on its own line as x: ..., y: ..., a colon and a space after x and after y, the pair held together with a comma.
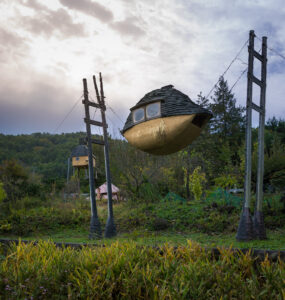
x: 133, y: 113
x: 159, y: 110
x: 145, y: 118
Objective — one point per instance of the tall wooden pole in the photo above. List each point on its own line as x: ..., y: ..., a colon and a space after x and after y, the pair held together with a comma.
x: 258, y: 219
x: 110, y: 229
x: 95, y: 227
x: 245, y: 229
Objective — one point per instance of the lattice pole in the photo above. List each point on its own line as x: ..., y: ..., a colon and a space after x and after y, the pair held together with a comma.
x: 248, y: 228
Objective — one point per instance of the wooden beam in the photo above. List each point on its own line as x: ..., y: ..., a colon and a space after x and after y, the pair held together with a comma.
x: 257, y: 108
x: 258, y: 56
x: 93, y: 104
x: 98, y: 142
x: 96, y: 123
x: 257, y: 81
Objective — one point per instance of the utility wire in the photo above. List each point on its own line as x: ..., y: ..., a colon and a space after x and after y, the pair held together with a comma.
x: 94, y: 113
x: 67, y: 115
x: 243, y: 62
x: 238, y: 79
x: 114, y: 128
x: 272, y: 49
x: 241, y: 74
x: 118, y: 117
x: 276, y: 52
x: 235, y: 58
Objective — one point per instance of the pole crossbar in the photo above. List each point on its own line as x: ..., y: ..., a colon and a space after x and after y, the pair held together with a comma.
x: 257, y: 81
x: 93, y: 104
x: 98, y: 142
x: 258, y: 56
x: 257, y: 108
x: 94, y: 141
x: 96, y: 123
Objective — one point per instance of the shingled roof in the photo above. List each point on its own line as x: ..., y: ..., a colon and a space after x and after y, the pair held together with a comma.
x: 80, y: 150
x: 173, y: 103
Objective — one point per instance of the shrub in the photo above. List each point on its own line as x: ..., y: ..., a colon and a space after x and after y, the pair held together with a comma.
x: 129, y: 272
x: 2, y: 192
x: 196, y: 181
x: 25, y: 222
x: 187, y: 216
x: 226, y: 181
x: 160, y: 224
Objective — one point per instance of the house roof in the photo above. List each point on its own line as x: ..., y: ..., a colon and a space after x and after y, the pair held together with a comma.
x: 173, y: 103
x: 103, y: 189
x: 80, y: 150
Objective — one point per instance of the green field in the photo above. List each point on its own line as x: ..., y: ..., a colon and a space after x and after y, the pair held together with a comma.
x: 151, y: 224
x: 275, y: 239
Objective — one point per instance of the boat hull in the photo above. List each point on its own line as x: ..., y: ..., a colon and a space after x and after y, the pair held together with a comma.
x: 163, y: 136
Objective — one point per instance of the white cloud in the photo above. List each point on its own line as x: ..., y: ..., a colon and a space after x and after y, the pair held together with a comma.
x: 137, y: 45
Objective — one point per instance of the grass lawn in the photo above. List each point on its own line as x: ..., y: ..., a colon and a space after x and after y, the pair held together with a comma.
x: 145, y: 224
x: 275, y: 241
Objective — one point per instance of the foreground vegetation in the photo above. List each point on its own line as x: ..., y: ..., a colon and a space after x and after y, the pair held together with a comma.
x: 122, y: 270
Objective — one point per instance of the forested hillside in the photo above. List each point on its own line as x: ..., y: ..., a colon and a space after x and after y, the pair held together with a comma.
x: 42, y: 153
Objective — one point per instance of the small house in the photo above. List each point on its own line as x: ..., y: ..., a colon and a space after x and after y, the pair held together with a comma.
x: 102, y: 192
x: 79, y: 157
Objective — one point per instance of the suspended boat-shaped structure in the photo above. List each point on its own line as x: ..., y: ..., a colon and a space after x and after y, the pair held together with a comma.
x: 164, y: 121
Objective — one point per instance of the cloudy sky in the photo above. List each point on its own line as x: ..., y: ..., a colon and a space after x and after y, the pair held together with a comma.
x: 47, y: 47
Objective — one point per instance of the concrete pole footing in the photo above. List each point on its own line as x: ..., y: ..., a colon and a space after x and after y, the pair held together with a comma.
x: 245, y: 228
x: 110, y: 229
x: 259, y: 226
x: 95, y: 229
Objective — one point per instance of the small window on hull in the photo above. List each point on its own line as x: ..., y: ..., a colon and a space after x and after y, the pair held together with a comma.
x: 138, y: 115
x: 199, y: 120
x: 153, y: 110
x: 77, y: 158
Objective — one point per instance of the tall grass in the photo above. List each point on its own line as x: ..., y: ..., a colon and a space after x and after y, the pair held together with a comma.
x: 125, y: 271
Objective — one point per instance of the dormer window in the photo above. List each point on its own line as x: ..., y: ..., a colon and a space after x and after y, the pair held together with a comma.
x: 139, y: 115
x: 147, y: 112
x: 153, y: 110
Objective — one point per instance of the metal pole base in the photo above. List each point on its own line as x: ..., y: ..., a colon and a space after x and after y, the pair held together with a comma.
x: 95, y: 229
x: 259, y: 226
x: 110, y: 229
x: 245, y: 228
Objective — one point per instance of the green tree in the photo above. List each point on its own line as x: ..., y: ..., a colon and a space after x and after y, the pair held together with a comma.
x: 276, y: 125
x: 196, y: 181
x: 14, y: 178
x: 274, y: 163
x: 228, y: 121
x: 3, y: 194
x: 228, y: 118
x: 220, y: 141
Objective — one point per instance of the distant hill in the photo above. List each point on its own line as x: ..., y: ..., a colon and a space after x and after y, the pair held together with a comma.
x: 42, y: 153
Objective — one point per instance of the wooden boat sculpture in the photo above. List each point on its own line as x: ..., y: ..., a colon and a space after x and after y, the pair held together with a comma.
x: 164, y: 121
